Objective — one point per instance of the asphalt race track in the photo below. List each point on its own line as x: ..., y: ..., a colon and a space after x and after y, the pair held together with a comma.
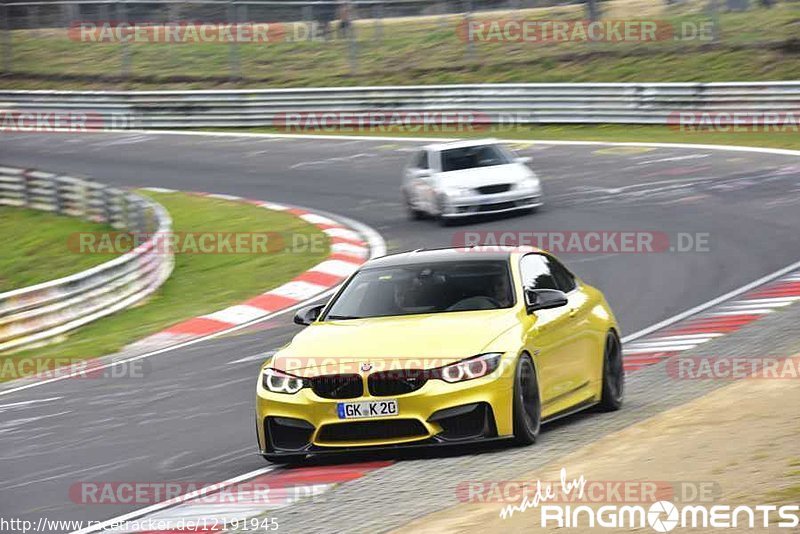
x: 191, y: 418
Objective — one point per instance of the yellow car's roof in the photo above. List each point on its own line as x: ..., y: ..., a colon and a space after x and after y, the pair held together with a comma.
x: 489, y: 253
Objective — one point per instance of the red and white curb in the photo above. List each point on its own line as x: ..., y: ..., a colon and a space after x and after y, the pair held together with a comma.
x: 349, y: 249
x: 718, y: 321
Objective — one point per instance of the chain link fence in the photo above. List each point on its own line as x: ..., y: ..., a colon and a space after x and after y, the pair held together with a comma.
x: 211, y: 40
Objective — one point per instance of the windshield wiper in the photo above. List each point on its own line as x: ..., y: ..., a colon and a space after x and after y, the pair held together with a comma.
x: 341, y: 317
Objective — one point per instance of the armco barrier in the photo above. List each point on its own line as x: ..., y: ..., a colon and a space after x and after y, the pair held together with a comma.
x: 31, y: 315
x: 634, y: 103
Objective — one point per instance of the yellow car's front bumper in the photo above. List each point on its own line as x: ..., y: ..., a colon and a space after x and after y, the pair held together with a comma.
x: 438, y: 412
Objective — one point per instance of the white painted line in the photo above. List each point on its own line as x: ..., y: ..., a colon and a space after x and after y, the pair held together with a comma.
x: 206, y: 490
x: 673, y: 158
x: 26, y: 403
x: 254, y: 357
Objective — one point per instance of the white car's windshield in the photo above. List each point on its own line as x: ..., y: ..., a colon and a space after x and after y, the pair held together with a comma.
x: 425, y: 288
x: 456, y: 159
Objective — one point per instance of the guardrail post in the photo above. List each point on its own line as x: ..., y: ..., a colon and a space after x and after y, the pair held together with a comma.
x: 377, y: 15
x: 26, y: 188
x: 308, y: 18
x: 125, y: 56
x: 58, y: 194
x: 104, y: 18
x: 235, y: 68
x: 7, y: 50
x: 592, y: 10
x: 353, y: 45
x: 108, y: 201
x: 713, y: 9
x: 467, y: 33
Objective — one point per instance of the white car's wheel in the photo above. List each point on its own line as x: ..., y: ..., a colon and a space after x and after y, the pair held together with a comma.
x: 413, y: 213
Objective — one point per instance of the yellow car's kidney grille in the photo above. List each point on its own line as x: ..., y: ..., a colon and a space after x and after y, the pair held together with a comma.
x: 371, y: 430
x: 389, y: 383
x: 345, y: 386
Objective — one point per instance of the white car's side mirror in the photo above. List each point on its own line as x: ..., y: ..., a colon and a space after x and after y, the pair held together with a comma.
x: 421, y: 173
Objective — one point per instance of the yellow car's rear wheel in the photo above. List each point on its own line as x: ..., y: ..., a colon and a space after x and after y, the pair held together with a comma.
x: 527, y: 404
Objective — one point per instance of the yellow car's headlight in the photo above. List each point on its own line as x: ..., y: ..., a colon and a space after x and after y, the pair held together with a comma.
x: 470, y: 368
x: 280, y: 382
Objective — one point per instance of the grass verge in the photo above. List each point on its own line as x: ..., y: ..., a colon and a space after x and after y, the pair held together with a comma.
x: 200, y: 283
x: 28, y: 258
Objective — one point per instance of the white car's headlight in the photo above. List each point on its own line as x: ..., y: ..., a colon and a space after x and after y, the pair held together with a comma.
x: 471, y: 368
x: 531, y: 184
x: 280, y: 382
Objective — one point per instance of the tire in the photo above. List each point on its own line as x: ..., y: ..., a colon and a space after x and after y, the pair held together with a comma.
x: 613, y: 374
x: 440, y: 218
x: 527, y: 404
x: 284, y: 459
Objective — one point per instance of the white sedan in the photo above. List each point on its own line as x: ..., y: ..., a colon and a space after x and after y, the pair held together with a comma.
x: 464, y: 178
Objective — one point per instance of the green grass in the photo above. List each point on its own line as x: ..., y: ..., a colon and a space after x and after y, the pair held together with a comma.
x: 757, y: 45
x: 200, y: 283
x: 34, y: 247
x: 601, y: 132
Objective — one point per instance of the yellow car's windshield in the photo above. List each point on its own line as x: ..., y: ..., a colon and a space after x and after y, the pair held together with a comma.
x: 425, y: 288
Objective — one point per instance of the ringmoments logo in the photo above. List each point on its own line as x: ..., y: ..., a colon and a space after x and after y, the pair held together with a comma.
x: 660, y: 516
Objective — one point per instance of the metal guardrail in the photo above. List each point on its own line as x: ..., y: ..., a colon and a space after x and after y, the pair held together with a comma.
x: 496, y: 104
x: 31, y: 315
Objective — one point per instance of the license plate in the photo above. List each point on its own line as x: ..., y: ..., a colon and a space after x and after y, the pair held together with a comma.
x: 360, y: 410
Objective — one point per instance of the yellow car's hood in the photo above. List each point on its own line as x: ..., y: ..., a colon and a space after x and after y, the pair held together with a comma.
x: 388, y: 343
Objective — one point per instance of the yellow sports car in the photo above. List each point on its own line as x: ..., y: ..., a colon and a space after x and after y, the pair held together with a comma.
x: 439, y: 347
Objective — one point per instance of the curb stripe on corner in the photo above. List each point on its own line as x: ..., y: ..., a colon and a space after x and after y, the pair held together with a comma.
x: 348, y: 250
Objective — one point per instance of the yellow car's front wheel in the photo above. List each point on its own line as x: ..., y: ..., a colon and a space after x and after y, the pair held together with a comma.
x: 613, y: 374
x: 527, y: 402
